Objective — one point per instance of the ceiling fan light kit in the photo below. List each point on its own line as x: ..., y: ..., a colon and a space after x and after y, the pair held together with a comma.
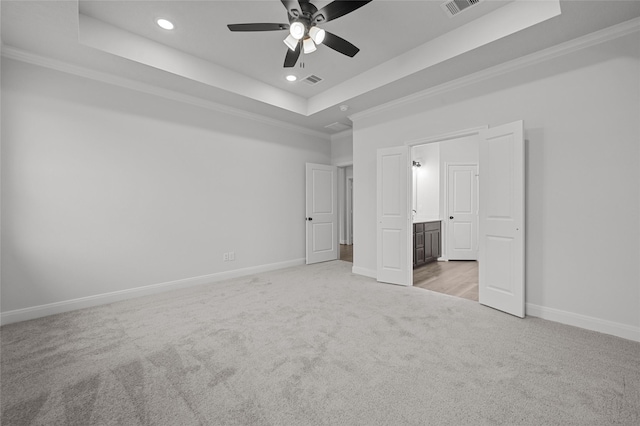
x: 291, y: 42
x: 308, y: 46
x: 317, y: 34
x: 304, y: 34
x: 297, y: 30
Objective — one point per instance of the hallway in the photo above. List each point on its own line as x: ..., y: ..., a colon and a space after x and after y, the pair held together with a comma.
x: 346, y: 252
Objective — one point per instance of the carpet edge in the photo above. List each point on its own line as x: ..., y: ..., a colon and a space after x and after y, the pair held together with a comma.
x: 40, y: 311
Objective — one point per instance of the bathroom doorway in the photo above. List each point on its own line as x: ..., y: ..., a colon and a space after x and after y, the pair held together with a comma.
x: 445, y: 216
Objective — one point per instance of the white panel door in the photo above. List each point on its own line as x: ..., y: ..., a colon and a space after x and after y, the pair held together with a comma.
x: 322, y: 213
x: 502, y: 239
x: 395, y: 258
x: 462, y: 212
x: 350, y: 211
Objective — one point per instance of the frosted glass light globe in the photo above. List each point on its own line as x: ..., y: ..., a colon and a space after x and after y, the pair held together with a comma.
x: 317, y: 34
x: 297, y: 30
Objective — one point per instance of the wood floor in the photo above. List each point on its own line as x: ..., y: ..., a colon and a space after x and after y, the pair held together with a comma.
x: 456, y: 278
x: 346, y: 253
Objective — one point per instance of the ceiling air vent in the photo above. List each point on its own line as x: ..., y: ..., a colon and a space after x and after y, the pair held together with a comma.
x: 337, y: 126
x: 312, y: 80
x: 454, y: 7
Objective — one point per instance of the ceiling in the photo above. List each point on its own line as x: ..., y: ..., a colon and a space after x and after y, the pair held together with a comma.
x: 405, y: 47
x: 201, y: 30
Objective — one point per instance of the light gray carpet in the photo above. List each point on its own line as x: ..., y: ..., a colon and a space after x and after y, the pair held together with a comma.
x: 312, y: 345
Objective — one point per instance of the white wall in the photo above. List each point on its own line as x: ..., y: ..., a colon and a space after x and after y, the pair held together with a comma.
x: 427, y: 182
x: 460, y: 150
x: 106, y: 189
x: 581, y: 114
x: 342, y: 148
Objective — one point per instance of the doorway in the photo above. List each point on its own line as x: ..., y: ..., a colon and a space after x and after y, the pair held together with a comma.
x: 329, y: 212
x: 501, y: 248
x: 345, y: 195
x: 445, y: 216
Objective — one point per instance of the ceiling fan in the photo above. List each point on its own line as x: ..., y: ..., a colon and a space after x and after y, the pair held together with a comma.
x: 304, y: 33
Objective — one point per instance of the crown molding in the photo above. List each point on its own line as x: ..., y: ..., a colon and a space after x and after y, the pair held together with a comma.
x: 501, y: 22
x: 598, y: 37
x: 21, y: 55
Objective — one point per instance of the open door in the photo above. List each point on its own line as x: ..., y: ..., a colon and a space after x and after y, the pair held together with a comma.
x: 395, y: 260
x: 501, y: 227
x: 322, y: 213
x: 349, y: 211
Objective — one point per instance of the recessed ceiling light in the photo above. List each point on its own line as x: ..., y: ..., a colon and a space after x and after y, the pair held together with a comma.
x: 165, y: 24
x: 291, y: 77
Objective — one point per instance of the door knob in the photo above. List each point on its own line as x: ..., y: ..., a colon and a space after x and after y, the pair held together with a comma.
x: 309, y: 218
x: 450, y: 217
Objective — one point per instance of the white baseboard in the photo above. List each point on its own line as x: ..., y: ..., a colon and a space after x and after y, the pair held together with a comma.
x: 102, y: 299
x: 364, y: 271
x: 343, y: 241
x: 590, y: 323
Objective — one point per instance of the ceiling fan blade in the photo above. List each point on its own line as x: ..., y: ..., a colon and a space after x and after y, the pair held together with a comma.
x: 258, y: 27
x: 336, y: 9
x: 340, y: 45
x: 293, y: 7
x: 292, y: 57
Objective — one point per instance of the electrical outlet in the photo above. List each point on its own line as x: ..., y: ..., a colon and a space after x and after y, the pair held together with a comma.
x: 225, y: 257
x: 232, y: 255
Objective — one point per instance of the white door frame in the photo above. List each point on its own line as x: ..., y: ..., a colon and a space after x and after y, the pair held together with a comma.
x: 474, y: 131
